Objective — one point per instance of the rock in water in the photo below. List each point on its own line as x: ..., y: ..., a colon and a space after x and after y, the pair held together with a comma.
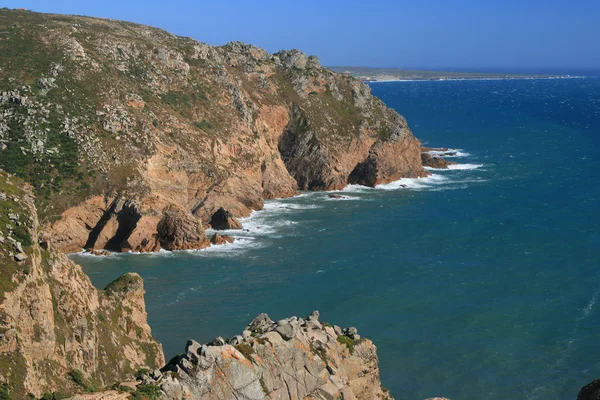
x: 435, y: 162
x: 223, y: 220
x: 180, y: 231
x: 220, y: 239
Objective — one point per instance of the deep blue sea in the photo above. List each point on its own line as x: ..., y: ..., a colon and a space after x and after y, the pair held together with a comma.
x: 480, y: 282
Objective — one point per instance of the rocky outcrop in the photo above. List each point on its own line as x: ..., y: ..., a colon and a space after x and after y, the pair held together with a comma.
x: 53, y: 322
x: 294, y: 358
x: 118, y: 122
x: 436, y: 162
x: 178, y: 231
x: 223, y: 220
x: 221, y: 239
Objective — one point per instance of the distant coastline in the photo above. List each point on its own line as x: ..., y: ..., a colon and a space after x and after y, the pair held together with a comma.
x: 399, y: 75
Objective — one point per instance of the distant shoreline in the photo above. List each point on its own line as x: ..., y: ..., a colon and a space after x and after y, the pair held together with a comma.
x: 470, y: 79
x: 367, y: 74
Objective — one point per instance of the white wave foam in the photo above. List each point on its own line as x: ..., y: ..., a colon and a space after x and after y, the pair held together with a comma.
x: 278, y: 205
x: 354, y: 189
x: 445, y: 154
x: 343, y: 198
x: 415, y: 183
x: 464, y: 166
x: 239, y: 245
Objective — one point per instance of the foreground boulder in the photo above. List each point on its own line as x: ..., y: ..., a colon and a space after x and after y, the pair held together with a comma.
x: 293, y: 358
x: 223, y: 220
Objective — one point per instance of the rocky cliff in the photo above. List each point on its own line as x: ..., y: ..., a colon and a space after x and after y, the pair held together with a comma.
x: 123, y: 128
x: 290, y: 359
x: 57, y: 332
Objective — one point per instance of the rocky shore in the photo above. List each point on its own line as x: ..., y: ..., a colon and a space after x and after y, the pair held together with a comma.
x: 144, y: 136
x: 59, y: 335
x: 134, y: 139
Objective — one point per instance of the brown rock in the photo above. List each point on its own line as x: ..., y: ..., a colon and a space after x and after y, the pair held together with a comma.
x: 435, y: 162
x: 55, y: 321
x: 180, y: 231
x: 223, y: 220
x: 220, y: 239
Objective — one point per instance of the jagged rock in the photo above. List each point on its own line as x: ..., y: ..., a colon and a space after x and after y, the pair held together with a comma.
x: 287, y: 329
x: 352, y: 333
x: 336, y: 196
x: 435, y: 162
x: 223, y: 220
x: 262, y: 323
x: 20, y: 257
x: 220, y: 239
x: 293, y: 58
x: 266, y: 366
x: 218, y: 341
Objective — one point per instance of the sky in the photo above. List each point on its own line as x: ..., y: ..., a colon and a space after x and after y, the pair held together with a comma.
x: 453, y: 34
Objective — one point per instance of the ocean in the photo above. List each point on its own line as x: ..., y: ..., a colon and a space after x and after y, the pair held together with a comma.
x: 478, y: 282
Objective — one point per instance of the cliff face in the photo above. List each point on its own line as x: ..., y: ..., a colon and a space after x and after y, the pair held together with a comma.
x: 55, y: 326
x: 290, y: 359
x: 119, y: 126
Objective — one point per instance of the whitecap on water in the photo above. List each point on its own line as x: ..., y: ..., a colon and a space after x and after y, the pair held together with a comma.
x: 450, y: 153
x: 464, y: 166
x: 415, y: 183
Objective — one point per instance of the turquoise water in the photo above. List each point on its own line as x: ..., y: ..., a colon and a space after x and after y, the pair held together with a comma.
x: 474, y: 283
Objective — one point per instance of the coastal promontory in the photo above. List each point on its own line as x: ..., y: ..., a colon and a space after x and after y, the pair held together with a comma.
x: 133, y: 138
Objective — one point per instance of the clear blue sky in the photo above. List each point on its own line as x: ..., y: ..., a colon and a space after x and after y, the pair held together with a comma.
x: 425, y: 33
